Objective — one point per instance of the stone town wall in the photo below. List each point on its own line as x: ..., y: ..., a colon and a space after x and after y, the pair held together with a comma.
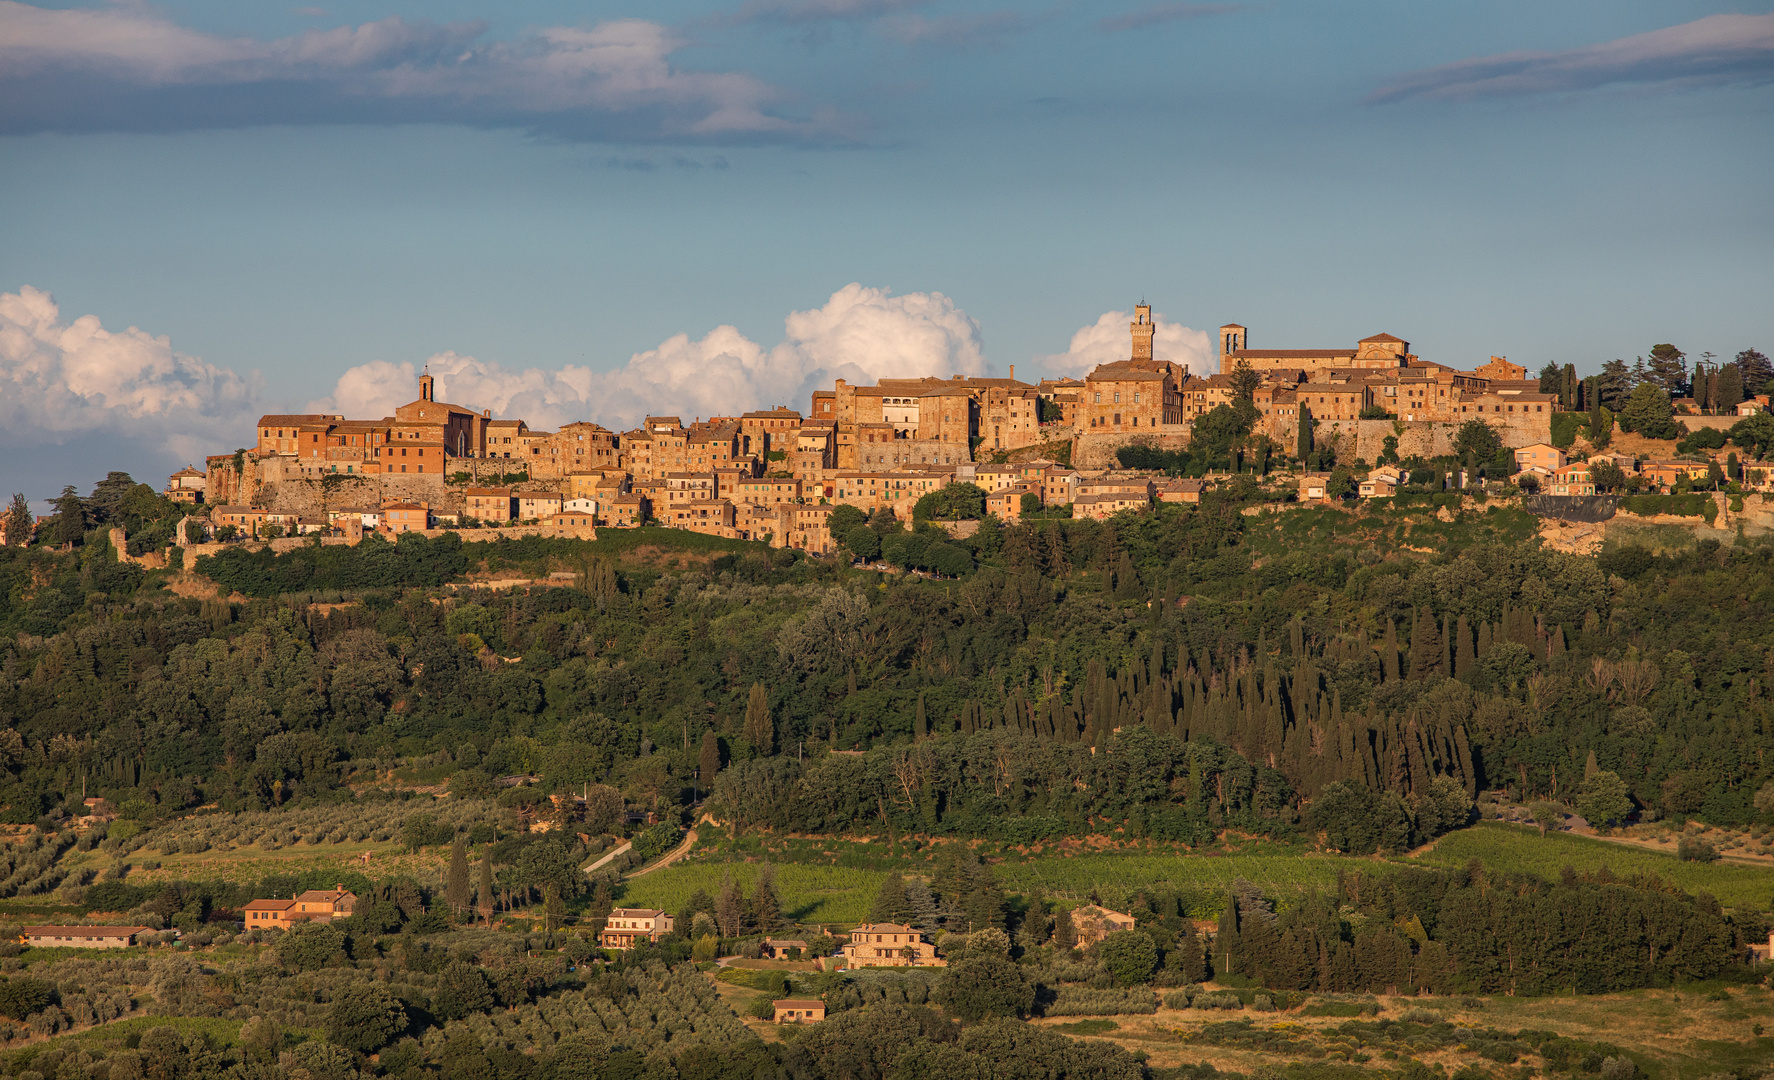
x: 469, y: 536
x: 277, y: 483
x: 1430, y: 438
x: 1098, y: 451
x: 1589, y: 509
x: 1717, y: 423
x: 150, y: 560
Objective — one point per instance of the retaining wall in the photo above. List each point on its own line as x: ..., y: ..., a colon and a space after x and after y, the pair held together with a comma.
x: 1097, y: 451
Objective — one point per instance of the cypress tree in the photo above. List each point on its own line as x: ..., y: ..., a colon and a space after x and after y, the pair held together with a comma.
x: 1065, y: 934
x: 730, y: 906
x: 456, y: 892
x: 1463, y: 657
x: 485, y: 899
x: 759, y: 728
x: 1225, y: 939
x: 1190, y: 963
x: 1389, y: 653
x: 708, y: 761
x: 1127, y: 581
x: 762, y: 910
x: 554, y: 912
x: 1426, y: 647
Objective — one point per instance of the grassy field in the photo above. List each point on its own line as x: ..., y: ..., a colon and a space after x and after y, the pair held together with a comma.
x: 253, y: 862
x: 808, y: 894
x: 830, y: 892
x: 1684, y: 1034
x: 1208, y: 876
x: 826, y: 881
x: 1514, y: 847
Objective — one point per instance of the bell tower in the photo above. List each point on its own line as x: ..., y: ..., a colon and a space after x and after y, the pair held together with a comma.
x: 1142, y: 332
x: 1232, y: 338
x: 425, y: 387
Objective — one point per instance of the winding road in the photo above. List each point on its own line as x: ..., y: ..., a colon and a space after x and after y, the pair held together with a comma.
x: 669, y: 857
x: 665, y: 860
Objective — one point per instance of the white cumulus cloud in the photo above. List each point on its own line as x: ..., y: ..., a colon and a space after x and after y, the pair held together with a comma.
x: 1109, y: 339
x: 68, y: 382
x: 860, y: 334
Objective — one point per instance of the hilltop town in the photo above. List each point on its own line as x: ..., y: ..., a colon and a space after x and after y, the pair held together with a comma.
x: 1343, y: 420
x: 1244, y: 693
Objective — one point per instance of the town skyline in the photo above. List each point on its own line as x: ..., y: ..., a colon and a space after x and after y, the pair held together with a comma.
x: 174, y: 409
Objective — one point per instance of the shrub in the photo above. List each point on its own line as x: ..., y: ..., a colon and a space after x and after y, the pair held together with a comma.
x: 1694, y: 849
x: 658, y: 839
x: 309, y: 948
x: 365, y: 1018
x: 1130, y: 956
x: 1618, y: 1068
x: 1084, y: 1001
x: 983, y: 987
x: 21, y: 997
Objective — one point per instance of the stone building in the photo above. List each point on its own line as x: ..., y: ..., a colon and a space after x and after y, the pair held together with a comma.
x: 889, y: 945
x: 536, y: 505
x: 1332, y: 401
x: 804, y: 528
x: 315, y: 905
x: 1379, y: 351
x: 625, y: 926
x: 187, y: 486
x: 1093, y: 923
x: 402, y: 517
x: 767, y: 431
x: 1203, y: 394
x: 1138, y: 394
x: 81, y: 937
x: 489, y: 504
x: 799, y: 1010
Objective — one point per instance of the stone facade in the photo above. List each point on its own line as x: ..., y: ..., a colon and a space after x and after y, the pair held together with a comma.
x: 890, y: 945
x: 81, y: 937
x: 626, y: 926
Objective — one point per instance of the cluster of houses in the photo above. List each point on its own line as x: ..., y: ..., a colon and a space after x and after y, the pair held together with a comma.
x: 775, y: 474
x: 1541, y: 469
x: 313, y: 906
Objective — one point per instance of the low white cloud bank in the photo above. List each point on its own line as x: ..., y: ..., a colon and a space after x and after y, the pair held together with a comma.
x: 69, y: 382
x: 128, y: 68
x: 1109, y: 339
x: 860, y: 334
x: 1710, y: 51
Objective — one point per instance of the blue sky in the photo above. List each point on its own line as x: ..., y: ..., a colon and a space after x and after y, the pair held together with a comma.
x: 565, y: 203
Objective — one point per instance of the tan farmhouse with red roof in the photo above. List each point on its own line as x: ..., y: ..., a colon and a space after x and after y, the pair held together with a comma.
x: 315, y: 905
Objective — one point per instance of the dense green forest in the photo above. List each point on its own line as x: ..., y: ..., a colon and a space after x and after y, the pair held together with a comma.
x: 1353, y: 680
x: 1170, y: 671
